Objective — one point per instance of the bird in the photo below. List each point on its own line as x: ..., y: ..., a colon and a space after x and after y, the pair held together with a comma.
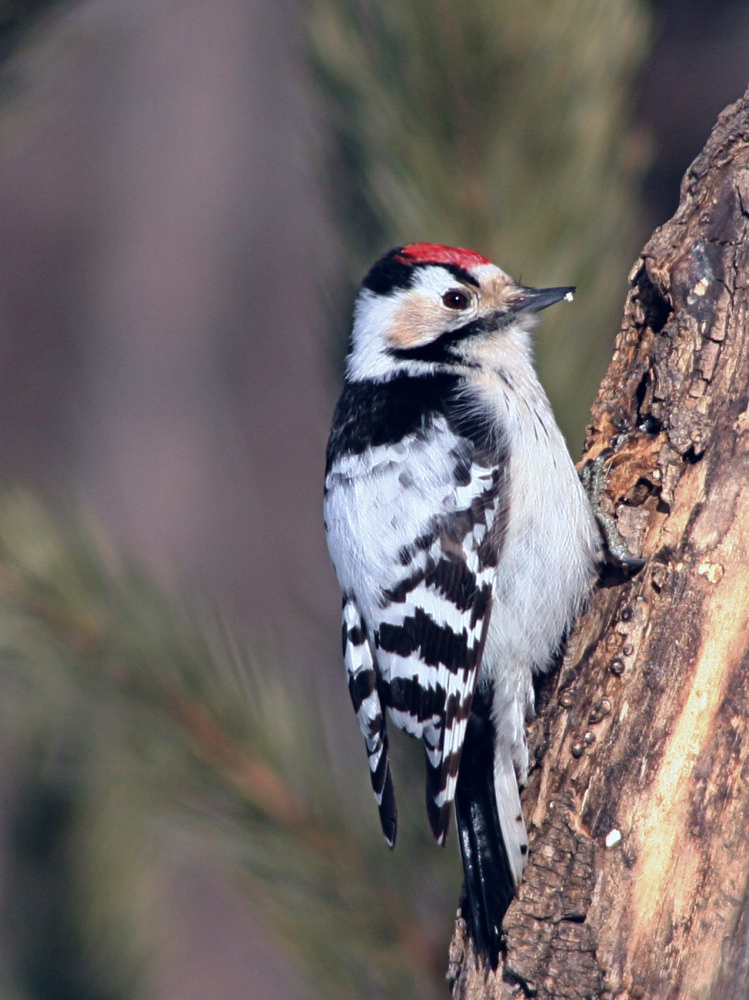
x: 463, y: 542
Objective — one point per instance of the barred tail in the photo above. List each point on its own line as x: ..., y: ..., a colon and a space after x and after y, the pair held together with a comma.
x: 490, y: 832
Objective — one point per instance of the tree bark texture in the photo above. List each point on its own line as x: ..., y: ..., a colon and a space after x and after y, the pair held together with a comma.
x: 638, y: 880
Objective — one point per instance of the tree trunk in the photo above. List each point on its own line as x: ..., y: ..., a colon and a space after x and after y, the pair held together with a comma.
x: 638, y: 880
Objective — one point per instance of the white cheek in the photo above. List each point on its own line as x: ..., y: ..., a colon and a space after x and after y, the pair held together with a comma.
x: 408, y: 318
x: 373, y: 317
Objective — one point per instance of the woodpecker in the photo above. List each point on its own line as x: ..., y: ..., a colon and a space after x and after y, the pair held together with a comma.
x: 463, y: 542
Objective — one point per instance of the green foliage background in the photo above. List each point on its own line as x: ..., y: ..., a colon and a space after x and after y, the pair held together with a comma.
x: 135, y: 727
x: 499, y: 126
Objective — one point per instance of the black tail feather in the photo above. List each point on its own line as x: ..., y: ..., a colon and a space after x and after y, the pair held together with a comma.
x: 489, y: 886
x: 384, y: 791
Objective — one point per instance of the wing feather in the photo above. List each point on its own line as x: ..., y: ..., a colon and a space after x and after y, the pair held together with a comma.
x: 431, y: 627
x: 362, y: 682
x: 415, y: 527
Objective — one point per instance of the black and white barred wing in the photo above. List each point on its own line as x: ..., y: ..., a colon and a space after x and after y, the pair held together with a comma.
x: 358, y: 658
x: 431, y: 625
x: 416, y: 561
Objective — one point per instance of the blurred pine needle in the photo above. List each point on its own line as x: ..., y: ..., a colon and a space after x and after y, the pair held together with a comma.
x: 496, y: 125
x: 136, y: 726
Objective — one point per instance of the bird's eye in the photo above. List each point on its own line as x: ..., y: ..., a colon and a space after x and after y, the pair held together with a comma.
x: 455, y: 299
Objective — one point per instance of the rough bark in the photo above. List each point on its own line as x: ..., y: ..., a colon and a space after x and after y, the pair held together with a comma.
x: 638, y: 881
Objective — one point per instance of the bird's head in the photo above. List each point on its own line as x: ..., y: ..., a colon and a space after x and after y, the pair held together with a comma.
x: 425, y: 307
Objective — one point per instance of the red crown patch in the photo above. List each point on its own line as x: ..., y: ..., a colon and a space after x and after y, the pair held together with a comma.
x: 436, y: 253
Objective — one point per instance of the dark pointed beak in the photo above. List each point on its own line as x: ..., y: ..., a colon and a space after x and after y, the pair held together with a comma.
x: 535, y: 299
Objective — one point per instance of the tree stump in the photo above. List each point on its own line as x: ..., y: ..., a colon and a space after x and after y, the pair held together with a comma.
x: 638, y: 880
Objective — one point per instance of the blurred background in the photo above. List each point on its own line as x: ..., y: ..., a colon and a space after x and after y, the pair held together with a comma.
x: 189, y: 194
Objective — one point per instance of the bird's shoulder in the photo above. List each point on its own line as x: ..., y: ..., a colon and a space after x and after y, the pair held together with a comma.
x: 423, y: 409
